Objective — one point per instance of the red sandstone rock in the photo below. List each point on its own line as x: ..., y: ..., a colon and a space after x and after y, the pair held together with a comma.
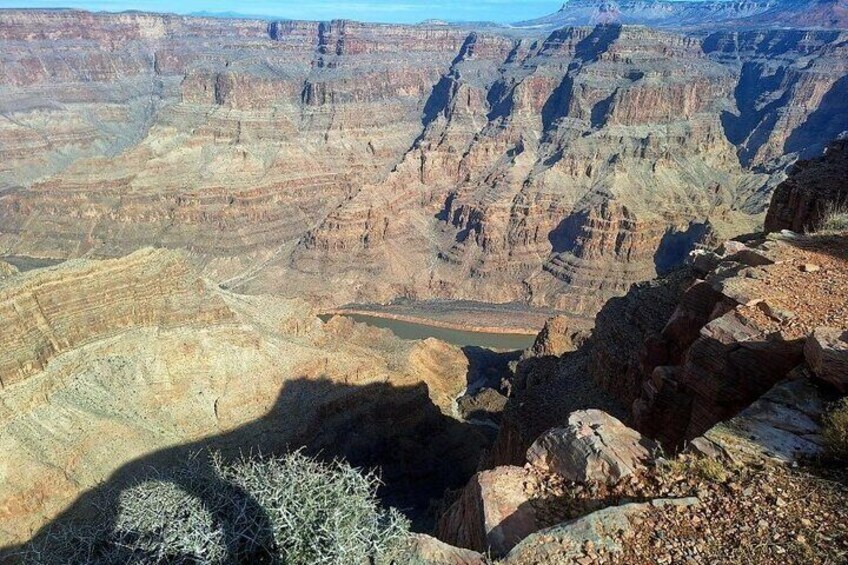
x: 492, y: 514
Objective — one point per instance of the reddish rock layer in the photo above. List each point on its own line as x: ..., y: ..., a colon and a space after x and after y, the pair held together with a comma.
x: 361, y: 162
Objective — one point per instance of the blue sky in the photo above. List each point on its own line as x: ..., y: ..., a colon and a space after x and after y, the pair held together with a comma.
x: 365, y: 10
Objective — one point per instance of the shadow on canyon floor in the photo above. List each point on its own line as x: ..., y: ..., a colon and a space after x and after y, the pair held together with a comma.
x: 420, y: 451
x: 488, y: 368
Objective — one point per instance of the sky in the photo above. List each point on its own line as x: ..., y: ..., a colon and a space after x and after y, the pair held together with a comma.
x: 407, y: 11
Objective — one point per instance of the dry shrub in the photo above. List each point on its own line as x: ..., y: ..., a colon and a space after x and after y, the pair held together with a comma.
x: 835, y: 431
x: 293, y: 510
x: 834, y: 218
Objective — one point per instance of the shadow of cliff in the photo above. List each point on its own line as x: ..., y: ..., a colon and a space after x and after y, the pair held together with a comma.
x: 749, y: 130
x: 564, y: 236
x: 587, y: 51
x: 826, y: 122
x: 675, y: 246
x: 488, y: 368
x: 419, y: 451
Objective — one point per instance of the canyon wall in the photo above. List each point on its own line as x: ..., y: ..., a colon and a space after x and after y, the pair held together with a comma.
x: 359, y: 162
x: 116, y: 369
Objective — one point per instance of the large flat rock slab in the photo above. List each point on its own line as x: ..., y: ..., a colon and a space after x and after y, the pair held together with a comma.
x: 783, y: 425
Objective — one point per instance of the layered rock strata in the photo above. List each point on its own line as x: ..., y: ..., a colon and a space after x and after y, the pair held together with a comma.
x: 360, y: 163
x: 118, y: 368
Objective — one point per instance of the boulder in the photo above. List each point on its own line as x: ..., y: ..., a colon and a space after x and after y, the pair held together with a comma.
x: 485, y: 404
x: 750, y: 257
x: 703, y: 261
x: 594, y: 446
x: 427, y: 550
x: 493, y: 513
x: 826, y: 352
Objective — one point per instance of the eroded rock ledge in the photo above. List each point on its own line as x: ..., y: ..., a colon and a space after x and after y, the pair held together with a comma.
x: 734, y: 358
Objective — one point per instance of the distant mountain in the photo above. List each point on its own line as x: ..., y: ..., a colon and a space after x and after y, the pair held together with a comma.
x: 830, y: 14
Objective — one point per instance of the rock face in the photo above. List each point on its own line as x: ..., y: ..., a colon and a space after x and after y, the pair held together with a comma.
x: 493, y: 512
x: 826, y: 352
x: 783, y: 425
x: 600, y: 530
x: 696, y: 347
x: 593, y: 447
x: 113, y: 368
x: 427, y: 550
x: 360, y: 163
x: 813, y: 188
x: 48, y: 312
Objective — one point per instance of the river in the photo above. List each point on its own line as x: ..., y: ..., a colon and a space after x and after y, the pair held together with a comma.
x: 413, y: 330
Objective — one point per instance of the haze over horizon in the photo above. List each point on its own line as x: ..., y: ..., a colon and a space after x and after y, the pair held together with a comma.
x: 407, y: 11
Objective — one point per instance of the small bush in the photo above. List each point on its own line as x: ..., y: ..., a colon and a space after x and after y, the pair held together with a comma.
x: 710, y: 469
x: 835, y: 431
x: 704, y: 468
x: 834, y: 219
x: 292, y: 510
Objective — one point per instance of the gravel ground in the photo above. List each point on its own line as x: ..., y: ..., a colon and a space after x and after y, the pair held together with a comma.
x: 767, y: 514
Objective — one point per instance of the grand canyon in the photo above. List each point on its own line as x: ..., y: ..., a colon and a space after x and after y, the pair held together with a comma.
x: 213, y: 229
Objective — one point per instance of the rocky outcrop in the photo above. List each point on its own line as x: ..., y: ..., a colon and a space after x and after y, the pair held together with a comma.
x: 600, y: 531
x: 492, y: 514
x: 783, y: 425
x: 826, y: 352
x: 698, y: 346
x: 557, y: 337
x: 593, y: 447
x: 813, y: 189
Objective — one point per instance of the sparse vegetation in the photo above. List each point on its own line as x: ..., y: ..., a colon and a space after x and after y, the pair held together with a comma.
x: 835, y: 431
x: 293, y: 510
x: 704, y: 468
x: 710, y: 469
x: 834, y: 219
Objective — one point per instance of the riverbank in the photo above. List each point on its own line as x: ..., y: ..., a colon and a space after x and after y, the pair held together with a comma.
x: 460, y: 315
x: 430, y: 322
x: 500, y: 327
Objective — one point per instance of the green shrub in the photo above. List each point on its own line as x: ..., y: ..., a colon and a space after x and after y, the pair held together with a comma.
x: 291, y: 510
x: 835, y: 431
